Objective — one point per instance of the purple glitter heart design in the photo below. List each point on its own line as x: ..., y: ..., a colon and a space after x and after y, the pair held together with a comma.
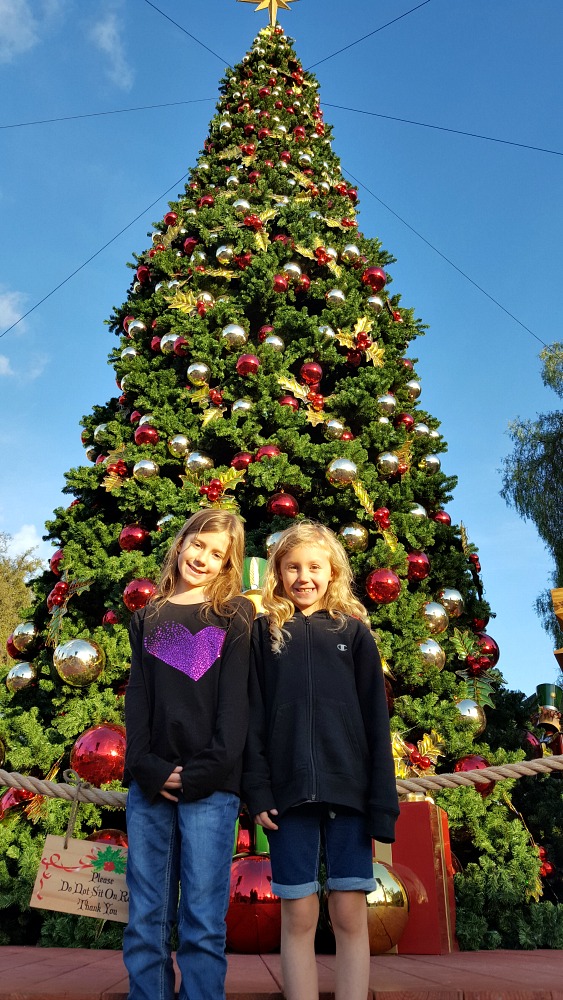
x: 175, y: 645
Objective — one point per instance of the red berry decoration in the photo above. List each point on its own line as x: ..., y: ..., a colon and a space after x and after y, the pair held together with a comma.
x: 253, y: 175
x: 118, y: 468
x: 110, y: 618
x: 419, y: 565
x: 347, y: 436
x: 280, y: 283
x: 475, y: 762
x: 354, y: 358
x: 488, y: 647
x: 145, y: 434
x: 283, y: 504
x: 375, y: 277
x: 133, y: 536
x: 253, y: 222
x: 138, y: 593
x: 267, y: 451
x: 304, y: 283
x: 243, y: 260
x: 383, y: 586
x: 382, y: 517
x: 248, y: 364
x: 143, y: 274
x: 289, y: 401
x: 98, y: 756
x: 55, y: 562
x: 311, y: 372
x: 242, y: 460
x: 285, y: 156
x: 216, y: 397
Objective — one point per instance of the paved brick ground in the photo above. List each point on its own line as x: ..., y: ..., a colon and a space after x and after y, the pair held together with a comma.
x: 75, y: 974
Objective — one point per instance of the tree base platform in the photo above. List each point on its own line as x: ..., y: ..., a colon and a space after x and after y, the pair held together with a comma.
x: 80, y: 974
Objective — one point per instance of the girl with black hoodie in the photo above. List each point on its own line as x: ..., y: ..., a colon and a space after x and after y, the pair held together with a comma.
x: 318, y: 764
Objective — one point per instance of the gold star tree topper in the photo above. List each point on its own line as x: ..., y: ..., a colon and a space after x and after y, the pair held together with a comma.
x: 272, y: 6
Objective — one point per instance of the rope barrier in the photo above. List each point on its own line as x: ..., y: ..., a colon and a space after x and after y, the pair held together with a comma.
x: 429, y: 782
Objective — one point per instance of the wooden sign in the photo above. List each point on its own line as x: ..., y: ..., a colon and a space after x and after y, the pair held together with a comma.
x: 84, y: 878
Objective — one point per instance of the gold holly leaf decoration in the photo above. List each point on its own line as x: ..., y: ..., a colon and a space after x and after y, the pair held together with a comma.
x: 290, y: 384
x: 304, y: 251
x: 185, y: 302
x: 232, y: 153
x: 262, y: 240
x: 212, y: 414
x: 315, y: 417
x: 363, y: 496
x: 376, y: 355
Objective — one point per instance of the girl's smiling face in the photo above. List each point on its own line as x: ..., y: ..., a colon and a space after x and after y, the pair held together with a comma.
x: 305, y: 574
x: 200, y: 560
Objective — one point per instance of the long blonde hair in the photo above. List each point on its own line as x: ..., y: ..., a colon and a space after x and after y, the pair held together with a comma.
x: 339, y: 599
x: 228, y: 583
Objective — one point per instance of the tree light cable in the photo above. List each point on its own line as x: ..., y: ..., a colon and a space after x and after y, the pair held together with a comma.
x: 447, y: 259
x: 369, y: 34
x: 186, y: 32
x: 442, y: 128
x: 100, y: 114
x: 91, y: 258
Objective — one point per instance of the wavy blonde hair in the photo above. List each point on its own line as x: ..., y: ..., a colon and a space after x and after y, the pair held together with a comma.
x: 339, y: 599
x: 228, y: 583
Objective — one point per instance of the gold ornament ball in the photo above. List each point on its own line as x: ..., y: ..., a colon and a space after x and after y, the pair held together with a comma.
x: 452, y: 601
x: 334, y: 429
x: 350, y: 253
x: 178, y: 445
x: 225, y: 126
x: 272, y: 540
x: 234, y: 335
x: 430, y: 464
x: 145, y: 469
x: 436, y: 617
x: 198, y: 461
x: 388, y: 910
x: 20, y: 676
x: 78, y: 662
x: 198, y: 373
x: 225, y: 253
x: 342, y: 472
x: 206, y: 299
x: 354, y: 537
x: 241, y: 206
x: 469, y: 709
x: 413, y: 389
x: 275, y: 342
x: 25, y: 635
x: 432, y: 654
x: 387, y: 463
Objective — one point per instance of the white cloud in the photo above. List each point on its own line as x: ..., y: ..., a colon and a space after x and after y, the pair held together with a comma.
x: 26, y: 538
x: 106, y: 36
x: 5, y: 367
x: 22, y: 23
x: 11, y: 303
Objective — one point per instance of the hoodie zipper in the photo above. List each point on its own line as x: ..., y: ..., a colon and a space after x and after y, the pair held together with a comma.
x: 313, y: 796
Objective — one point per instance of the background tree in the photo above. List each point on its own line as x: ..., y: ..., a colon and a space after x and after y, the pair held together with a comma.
x: 533, y: 480
x: 14, y: 594
x: 261, y: 366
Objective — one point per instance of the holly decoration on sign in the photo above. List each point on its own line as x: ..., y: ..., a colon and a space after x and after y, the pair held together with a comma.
x: 111, y: 859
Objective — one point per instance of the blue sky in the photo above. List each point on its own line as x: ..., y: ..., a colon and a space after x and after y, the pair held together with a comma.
x: 494, y: 209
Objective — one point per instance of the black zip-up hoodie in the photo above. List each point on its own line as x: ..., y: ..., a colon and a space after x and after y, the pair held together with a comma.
x: 319, y: 724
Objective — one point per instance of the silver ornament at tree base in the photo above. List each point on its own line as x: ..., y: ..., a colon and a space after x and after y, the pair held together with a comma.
x: 25, y: 636
x: 78, y: 662
x: 145, y: 469
x: 432, y: 654
x: 21, y: 676
x: 234, y: 335
x: 436, y: 617
x: 452, y: 600
x: 470, y: 710
x: 354, y: 537
x: 273, y: 341
x: 342, y: 472
x: 178, y: 445
x: 272, y: 540
x: 198, y: 462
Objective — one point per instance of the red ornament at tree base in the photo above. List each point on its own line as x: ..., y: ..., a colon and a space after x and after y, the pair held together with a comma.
x: 474, y: 762
x: 98, y: 756
x: 254, y: 914
x: 383, y: 586
x: 283, y: 504
x: 138, y: 593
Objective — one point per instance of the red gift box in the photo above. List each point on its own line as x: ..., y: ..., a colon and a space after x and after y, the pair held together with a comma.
x: 421, y: 857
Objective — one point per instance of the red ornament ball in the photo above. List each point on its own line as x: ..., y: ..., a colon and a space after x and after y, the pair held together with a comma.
x: 248, y: 364
x: 441, y: 517
x: 12, y: 650
x: 475, y: 762
x: 480, y: 624
x: 145, y: 434
x: 383, y: 586
x: 206, y: 202
x: 254, y: 914
x: 299, y: 133
x: 264, y: 332
x: 98, y: 756
x: 143, y: 274
x: 12, y: 798
x: 289, y: 401
x: 110, y: 618
x: 311, y: 373
x: 55, y: 562
x: 419, y: 565
x: 375, y: 277
x: 283, y: 504
x: 138, y: 593
x: 170, y: 219
x: 267, y: 451
x: 117, y: 838
x: 488, y: 647
x: 133, y: 536
x: 135, y: 417
x: 404, y: 420
x: 242, y: 460
x: 189, y: 245
x: 280, y: 283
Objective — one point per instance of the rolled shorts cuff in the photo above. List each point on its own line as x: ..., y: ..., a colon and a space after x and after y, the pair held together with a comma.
x: 299, y: 891
x: 351, y: 884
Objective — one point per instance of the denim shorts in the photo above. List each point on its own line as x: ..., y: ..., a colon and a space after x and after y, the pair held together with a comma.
x: 295, y: 851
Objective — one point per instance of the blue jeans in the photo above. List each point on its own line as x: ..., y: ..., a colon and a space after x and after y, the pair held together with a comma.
x: 172, y: 844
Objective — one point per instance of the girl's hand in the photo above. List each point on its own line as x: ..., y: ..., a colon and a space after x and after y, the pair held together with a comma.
x: 264, y: 819
x: 172, y: 784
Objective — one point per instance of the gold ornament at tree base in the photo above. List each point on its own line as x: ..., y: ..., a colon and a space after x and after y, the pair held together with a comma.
x: 354, y: 536
x: 25, y: 636
x: 21, y: 676
x: 388, y: 910
x: 435, y: 616
x: 78, y: 662
x: 451, y: 600
x: 469, y: 709
x: 342, y: 472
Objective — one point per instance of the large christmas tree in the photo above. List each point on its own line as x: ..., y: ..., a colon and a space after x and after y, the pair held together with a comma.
x: 261, y: 365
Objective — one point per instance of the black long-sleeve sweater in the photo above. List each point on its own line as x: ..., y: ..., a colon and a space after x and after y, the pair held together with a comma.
x: 319, y: 724
x: 187, y: 698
